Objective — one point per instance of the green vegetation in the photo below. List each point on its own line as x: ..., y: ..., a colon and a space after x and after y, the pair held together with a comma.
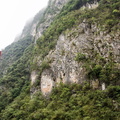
x: 108, y: 73
x: 106, y: 14
x: 45, y: 65
x: 74, y: 5
x: 67, y: 102
x: 16, y: 79
x: 80, y: 57
x: 98, y: 68
x: 13, y: 52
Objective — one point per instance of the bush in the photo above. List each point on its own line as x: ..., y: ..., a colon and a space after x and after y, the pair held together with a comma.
x: 44, y: 65
x: 95, y: 72
x: 113, y: 92
x: 80, y: 57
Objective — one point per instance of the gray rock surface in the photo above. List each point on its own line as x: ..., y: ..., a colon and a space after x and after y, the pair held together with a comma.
x: 80, y: 40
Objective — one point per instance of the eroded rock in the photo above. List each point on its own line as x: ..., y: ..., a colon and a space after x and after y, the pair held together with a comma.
x: 47, y: 82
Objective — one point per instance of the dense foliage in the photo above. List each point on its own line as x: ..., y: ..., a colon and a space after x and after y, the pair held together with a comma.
x: 16, y: 79
x: 13, y: 52
x: 67, y: 102
x: 99, y: 68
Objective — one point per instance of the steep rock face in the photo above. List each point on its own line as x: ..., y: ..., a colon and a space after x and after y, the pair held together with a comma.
x: 87, y: 39
x: 47, y: 15
x: 47, y: 82
x: 83, y: 39
x: 43, y: 19
x: 54, y: 7
x: 59, y: 3
x: 30, y: 27
x: 33, y: 77
x: 92, y: 5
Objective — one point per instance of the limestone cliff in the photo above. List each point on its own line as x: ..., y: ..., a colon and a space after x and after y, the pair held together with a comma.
x: 64, y: 68
x: 43, y: 19
x: 87, y: 39
x: 54, y: 7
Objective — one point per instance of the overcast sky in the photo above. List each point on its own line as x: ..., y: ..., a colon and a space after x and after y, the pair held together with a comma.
x: 13, y: 16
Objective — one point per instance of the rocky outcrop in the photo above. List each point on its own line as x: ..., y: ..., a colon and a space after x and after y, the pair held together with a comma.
x: 43, y: 19
x: 37, y: 29
x: 33, y: 77
x: 87, y: 39
x: 54, y: 7
x: 84, y: 39
x: 92, y: 5
x: 47, y: 82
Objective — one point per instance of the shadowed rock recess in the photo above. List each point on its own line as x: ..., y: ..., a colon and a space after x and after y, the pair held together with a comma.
x: 65, y: 65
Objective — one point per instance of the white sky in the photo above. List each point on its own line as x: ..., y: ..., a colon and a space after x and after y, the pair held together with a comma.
x: 13, y: 16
